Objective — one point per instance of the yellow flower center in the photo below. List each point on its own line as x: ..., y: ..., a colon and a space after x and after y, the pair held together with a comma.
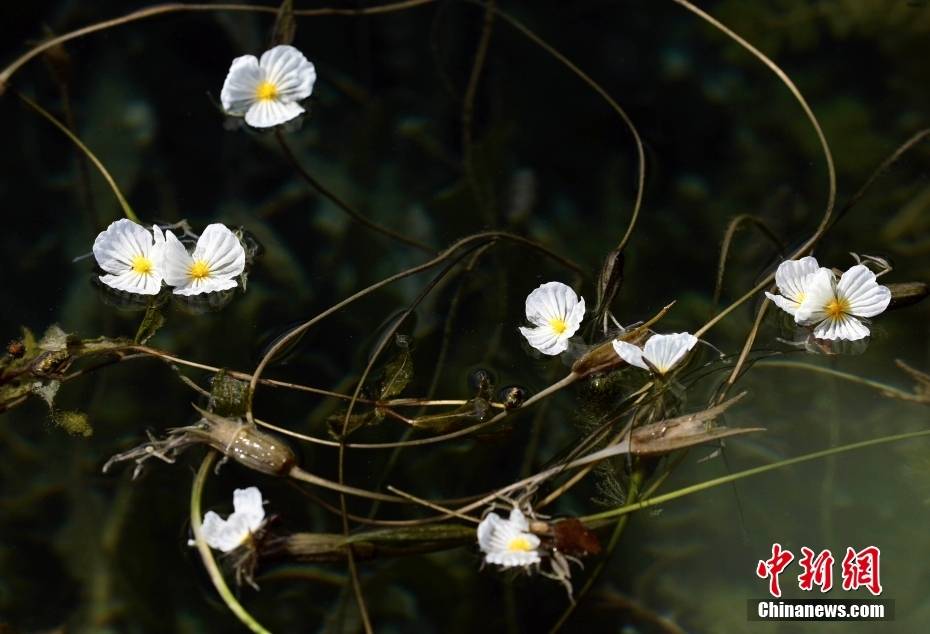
x: 141, y: 265
x: 558, y: 325
x: 837, y: 307
x: 199, y: 270
x: 800, y: 299
x: 266, y: 91
x: 519, y: 544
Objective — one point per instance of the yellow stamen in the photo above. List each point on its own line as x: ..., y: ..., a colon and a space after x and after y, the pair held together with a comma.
x: 558, y: 325
x: 519, y: 544
x: 837, y: 307
x: 199, y: 270
x: 141, y: 265
x: 266, y: 91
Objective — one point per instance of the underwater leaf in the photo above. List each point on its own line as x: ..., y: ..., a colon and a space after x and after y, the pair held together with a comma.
x: 921, y: 381
x: 399, y: 371
x: 151, y: 322
x: 476, y: 410
x: 356, y: 422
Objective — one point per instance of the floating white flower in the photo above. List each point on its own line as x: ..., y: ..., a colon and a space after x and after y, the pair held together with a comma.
x: 217, y: 261
x: 662, y: 352
x: 132, y: 257
x: 792, y: 278
x: 835, y: 309
x: 508, y: 542
x: 555, y: 312
x: 248, y: 514
x: 267, y: 91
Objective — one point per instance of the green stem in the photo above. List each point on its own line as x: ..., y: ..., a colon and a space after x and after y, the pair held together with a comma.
x: 127, y: 210
x: 733, y: 477
x: 216, y: 576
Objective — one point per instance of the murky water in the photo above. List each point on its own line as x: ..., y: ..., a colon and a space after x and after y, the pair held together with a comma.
x: 540, y: 155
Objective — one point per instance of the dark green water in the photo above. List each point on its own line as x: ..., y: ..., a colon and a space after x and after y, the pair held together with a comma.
x: 83, y: 551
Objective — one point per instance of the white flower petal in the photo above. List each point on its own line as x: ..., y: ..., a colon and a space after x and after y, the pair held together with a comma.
x: 556, y: 312
x: 843, y: 327
x: 177, y: 262
x: 289, y: 71
x: 865, y: 296
x: 787, y: 305
x: 132, y: 282
x: 664, y: 352
x: 241, y: 85
x: 819, y: 293
x: 518, y: 520
x: 270, y: 112
x: 791, y: 277
x: 224, y: 535
x: 221, y: 250
x: 496, y: 535
x: 544, y: 339
x: 116, y: 246
x: 248, y: 505
x: 630, y: 353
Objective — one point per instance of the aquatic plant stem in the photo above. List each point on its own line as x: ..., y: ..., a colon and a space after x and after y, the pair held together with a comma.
x: 728, y: 236
x: 339, y: 202
x: 884, y: 388
x: 216, y: 576
x: 599, y: 518
x: 484, y: 237
x: 127, y: 210
x: 640, y: 152
x: 825, y: 147
x: 468, y: 110
x: 162, y: 9
x: 636, y: 481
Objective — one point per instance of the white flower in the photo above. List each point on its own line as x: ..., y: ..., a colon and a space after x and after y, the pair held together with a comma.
x: 132, y: 257
x: 266, y: 91
x: 508, y: 542
x: 248, y: 514
x: 792, y: 278
x: 555, y: 312
x: 835, y: 308
x: 662, y: 352
x: 217, y: 260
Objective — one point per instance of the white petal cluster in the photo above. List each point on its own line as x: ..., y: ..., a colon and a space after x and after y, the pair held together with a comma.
x: 555, y: 312
x: 218, y: 259
x: 508, y: 542
x: 248, y: 514
x: 661, y: 352
x: 835, y: 308
x: 132, y: 257
x: 267, y: 91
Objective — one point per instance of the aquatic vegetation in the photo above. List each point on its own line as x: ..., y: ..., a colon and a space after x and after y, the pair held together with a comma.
x: 403, y: 410
x: 218, y: 259
x: 836, y: 308
x: 556, y: 313
x: 660, y: 353
x: 508, y: 542
x: 247, y: 517
x: 267, y: 91
x: 132, y: 257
